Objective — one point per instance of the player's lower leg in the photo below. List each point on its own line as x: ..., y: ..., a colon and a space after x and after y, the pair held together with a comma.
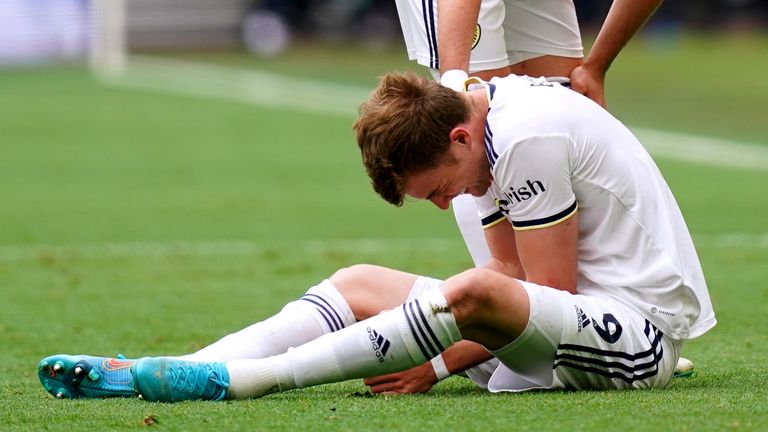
x: 391, y: 341
x: 321, y: 310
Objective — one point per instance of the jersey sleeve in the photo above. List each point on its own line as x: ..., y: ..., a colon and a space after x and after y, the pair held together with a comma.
x: 534, y: 181
x: 488, y: 210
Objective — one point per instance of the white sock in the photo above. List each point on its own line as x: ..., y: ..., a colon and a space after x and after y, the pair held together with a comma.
x: 394, y: 340
x: 321, y: 310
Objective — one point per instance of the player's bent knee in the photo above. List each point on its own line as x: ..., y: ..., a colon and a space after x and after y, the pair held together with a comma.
x: 474, y: 293
x: 352, y: 275
x: 371, y: 276
x: 469, y: 291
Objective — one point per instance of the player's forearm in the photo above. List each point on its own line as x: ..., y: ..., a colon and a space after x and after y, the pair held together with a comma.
x: 511, y: 268
x: 457, y: 21
x: 550, y: 254
x: 464, y: 355
x: 500, y: 239
x: 624, y: 20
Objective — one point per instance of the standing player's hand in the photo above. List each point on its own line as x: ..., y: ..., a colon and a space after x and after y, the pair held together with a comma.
x: 589, y: 82
x: 416, y: 380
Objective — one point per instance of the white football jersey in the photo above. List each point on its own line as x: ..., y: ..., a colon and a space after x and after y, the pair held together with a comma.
x: 554, y: 152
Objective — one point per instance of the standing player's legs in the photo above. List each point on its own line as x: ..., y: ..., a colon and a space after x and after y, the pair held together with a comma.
x: 323, y: 309
x: 419, y: 24
x: 535, y: 28
x: 468, y: 221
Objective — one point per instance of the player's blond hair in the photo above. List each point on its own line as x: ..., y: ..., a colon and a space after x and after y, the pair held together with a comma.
x: 404, y: 128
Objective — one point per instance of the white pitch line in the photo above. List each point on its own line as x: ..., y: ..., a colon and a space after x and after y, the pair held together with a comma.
x: 15, y: 253
x: 241, y: 85
x: 304, y: 95
x: 703, y: 150
x: 736, y: 240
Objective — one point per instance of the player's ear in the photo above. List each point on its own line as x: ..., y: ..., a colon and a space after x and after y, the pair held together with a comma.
x: 459, y: 135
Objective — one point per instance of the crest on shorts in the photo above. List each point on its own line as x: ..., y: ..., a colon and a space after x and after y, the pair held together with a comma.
x: 476, y: 36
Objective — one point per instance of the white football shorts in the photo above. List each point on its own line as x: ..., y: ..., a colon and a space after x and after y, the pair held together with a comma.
x: 507, y: 32
x: 576, y: 342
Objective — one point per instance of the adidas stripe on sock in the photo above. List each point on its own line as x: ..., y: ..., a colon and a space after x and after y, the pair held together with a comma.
x: 321, y: 310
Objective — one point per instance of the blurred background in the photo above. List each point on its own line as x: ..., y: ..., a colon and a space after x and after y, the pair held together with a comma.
x: 39, y: 31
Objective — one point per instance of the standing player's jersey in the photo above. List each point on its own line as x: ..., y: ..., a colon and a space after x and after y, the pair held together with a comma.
x: 554, y: 152
x: 507, y: 32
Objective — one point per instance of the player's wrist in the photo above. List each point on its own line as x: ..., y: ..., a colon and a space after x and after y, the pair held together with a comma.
x: 595, y: 66
x: 439, y: 367
x: 454, y: 79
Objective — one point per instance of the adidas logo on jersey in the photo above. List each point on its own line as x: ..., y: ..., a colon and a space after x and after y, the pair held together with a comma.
x: 379, y: 343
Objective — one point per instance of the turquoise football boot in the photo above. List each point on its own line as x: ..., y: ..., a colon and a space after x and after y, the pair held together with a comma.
x: 167, y: 379
x: 81, y: 376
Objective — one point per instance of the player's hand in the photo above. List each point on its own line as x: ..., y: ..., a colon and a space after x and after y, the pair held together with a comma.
x: 416, y: 380
x: 589, y: 82
x: 454, y: 79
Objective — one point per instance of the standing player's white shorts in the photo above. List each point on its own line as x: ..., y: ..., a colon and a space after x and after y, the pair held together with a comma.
x: 507, y: 32
x: 576, y: 342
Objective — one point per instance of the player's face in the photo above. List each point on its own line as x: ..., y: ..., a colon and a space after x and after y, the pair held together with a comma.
x: 465, y: 173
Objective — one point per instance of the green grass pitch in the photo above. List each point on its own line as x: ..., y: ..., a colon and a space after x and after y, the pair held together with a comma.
x: 144, y: 223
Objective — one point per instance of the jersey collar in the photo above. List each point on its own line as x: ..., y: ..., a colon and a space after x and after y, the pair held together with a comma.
x: 490, y: 90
